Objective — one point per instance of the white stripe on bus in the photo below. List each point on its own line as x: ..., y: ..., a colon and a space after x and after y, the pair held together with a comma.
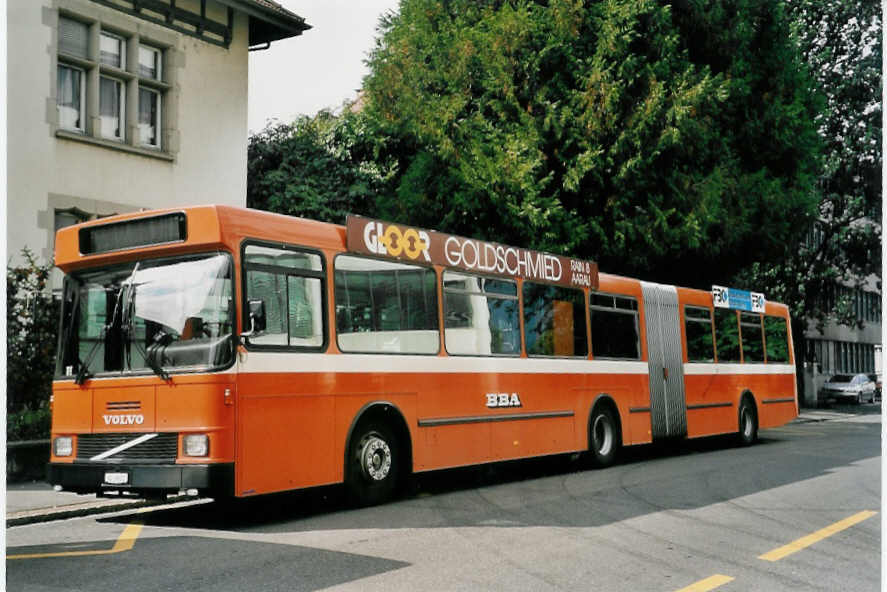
x: 284, y: 362
x: 723, y: 369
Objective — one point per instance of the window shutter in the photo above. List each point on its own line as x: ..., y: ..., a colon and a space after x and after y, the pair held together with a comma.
x: 73, y: 37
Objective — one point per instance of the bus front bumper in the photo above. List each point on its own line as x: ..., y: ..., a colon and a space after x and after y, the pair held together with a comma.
x: 212, y: 480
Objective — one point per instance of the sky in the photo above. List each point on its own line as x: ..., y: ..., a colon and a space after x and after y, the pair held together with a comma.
x: 320, y: 68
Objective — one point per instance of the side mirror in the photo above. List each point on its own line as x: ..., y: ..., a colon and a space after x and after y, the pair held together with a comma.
x: 257, y: 320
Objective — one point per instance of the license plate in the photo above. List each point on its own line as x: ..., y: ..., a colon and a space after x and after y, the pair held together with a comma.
x: 116, y: 478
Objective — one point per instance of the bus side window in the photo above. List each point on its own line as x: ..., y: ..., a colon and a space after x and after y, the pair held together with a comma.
x: 480, y: 315
x: 614, y: 327
x: 554, y: 321
x: 752, y: 337
x: 777, y: 339
x: 270, y: 288
x: 385, y: 306
x: 290, y: 283
x: 727, y: 335
x: 698, y: 327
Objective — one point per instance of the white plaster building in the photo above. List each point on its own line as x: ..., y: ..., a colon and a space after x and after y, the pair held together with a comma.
x: 118, y: 105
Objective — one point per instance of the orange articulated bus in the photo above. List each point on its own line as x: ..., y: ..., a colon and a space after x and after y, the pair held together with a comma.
x: 237, y: 352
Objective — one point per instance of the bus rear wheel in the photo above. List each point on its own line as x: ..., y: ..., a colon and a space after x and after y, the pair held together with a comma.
x: 373, y: 468
x: 603, y: 437
x: 748, y: 423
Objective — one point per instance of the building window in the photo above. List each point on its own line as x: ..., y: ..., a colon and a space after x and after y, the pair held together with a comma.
x: 94, y: 60
x: 111, y: 103
x: 73, y: 38
x: 69, y: 217
x: 112, y: 50
x: 149, y: 62
x: 71, y: 97
x: 149, y: 117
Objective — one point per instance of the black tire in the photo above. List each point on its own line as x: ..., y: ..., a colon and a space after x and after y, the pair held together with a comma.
x: 373, y: 466
x: 748, y: 423
x: 603, y: 437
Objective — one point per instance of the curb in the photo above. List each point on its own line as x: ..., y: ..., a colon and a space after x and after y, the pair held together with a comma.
x: 835, y: 417
x: 86, y: 509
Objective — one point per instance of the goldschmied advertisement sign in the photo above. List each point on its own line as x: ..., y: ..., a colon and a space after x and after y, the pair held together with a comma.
x: 374, y: 237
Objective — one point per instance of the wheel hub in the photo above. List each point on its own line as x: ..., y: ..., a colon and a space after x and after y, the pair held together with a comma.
x: 747, y: 425
x: 376, y: 458
x: 603, y: 435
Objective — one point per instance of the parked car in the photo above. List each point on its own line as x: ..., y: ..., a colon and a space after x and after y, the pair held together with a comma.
x: 856, y: 387
x: 876, y: 378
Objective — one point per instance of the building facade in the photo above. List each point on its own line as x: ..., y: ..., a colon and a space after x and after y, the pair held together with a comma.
x: 843, y: 349
x: 119, y: 105
x: 839, y: 349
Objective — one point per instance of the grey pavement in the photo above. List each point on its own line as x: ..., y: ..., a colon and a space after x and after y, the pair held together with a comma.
x: 38, y: 502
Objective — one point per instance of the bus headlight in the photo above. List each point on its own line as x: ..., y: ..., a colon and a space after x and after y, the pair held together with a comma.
x: 196, y: 445
x: 63, y: 446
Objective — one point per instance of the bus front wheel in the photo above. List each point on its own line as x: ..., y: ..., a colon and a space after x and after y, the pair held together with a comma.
x: 373, y: 464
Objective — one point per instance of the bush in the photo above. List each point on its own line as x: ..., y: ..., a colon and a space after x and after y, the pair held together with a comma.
x: 32, y: 316
x: 30, y: 424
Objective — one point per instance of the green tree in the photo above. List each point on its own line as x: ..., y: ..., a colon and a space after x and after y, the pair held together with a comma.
x: 306, y: 169
x: 32, y: 317
x: 841, y: 43
x: 668, y: 140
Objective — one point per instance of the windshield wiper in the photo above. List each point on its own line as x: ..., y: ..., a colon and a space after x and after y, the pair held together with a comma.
x: 129, y: 338
x: 83, y: 372
x: 128, y: 295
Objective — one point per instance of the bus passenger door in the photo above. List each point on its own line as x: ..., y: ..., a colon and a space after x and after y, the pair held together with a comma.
x: 668, y: 403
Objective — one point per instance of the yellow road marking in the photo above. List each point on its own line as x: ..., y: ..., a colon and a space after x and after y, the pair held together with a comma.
x: 707, y: 584
x: 806, y: 541
x: 125, y: 542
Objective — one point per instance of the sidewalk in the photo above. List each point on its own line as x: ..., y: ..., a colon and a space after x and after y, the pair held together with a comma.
x: 813, y: 415
x: 27, y: 503
x: 840, y: 412
x: 38, y: 502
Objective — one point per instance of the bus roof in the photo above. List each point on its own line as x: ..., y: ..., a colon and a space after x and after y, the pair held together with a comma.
x: 224, y: 227
x: 208, y: 227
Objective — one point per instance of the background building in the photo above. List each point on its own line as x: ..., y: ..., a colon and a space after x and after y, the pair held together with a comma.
x: 118, y: 105
x: 833, y: 348
x: 843, y: 349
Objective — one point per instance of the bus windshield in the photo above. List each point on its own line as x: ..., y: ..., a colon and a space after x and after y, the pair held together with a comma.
x: 157, y: 315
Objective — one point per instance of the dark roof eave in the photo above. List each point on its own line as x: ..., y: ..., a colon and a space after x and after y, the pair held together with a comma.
x: 267, y: 24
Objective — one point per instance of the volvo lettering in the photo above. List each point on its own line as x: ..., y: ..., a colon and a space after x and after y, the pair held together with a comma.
x: 124, y: 419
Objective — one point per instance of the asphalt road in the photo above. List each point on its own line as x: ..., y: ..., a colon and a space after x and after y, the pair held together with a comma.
x: 790, y: 513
